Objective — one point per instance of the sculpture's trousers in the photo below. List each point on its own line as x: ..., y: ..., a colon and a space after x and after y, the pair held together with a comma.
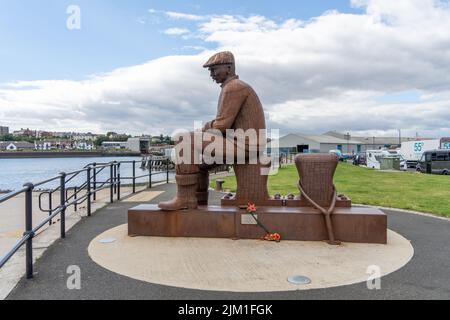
x: 194, y: 158
x: 205, y: 155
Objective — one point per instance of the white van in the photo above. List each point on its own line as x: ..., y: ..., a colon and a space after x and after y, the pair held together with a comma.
x: 373, y: 158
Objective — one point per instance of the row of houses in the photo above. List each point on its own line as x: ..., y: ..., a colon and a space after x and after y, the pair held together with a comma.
x: 40, y: 134
x: 301, y: 143
x: 46, y: 145
x: 138, y: 144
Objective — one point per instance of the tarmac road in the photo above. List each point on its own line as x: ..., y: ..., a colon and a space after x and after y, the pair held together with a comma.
x: 426, y: 276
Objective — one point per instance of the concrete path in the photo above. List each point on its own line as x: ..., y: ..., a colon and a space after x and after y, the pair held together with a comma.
x: 426, y: 276
x: 12, y: 226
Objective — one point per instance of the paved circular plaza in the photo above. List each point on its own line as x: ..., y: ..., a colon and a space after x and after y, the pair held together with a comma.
x: 245, y: 265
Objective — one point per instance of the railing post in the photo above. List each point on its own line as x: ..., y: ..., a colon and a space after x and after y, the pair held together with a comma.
x: 63, y: 203
x: 118, y: 181
x: 88, y: 186
x: 50, y: 205
x: 111, y: 186
x: 134, y: 176
x: 95, y: 181
x: 150, y: 167
x: 167, y: 170
x: 75, y: 197
x: 28, y: 229
x: 115, y: 177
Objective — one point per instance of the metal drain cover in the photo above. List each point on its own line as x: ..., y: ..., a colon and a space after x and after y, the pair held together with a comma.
x: 108, y: 240
x: 299, y: 280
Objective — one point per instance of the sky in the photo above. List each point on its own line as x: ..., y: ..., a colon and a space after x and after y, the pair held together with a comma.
x: 368, y: 67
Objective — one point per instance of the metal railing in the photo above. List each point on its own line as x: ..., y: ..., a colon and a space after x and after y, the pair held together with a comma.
x: 86, y: 192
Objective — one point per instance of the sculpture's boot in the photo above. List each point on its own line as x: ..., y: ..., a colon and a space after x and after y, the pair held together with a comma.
x: 202, y: 188
x: 186, y: 194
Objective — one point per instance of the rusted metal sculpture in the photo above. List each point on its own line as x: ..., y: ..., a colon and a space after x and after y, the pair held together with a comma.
x: 316, y: 173
x: 317, y: 214
x: 238, y: 108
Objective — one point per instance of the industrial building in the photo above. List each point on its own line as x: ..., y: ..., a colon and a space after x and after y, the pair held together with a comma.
x: 139, y: 144
x: 300, y: 143
x: 375, y: 143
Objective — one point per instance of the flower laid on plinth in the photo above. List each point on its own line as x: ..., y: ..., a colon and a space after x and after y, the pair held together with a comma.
x: 272, y: 237
x: 251, y: 209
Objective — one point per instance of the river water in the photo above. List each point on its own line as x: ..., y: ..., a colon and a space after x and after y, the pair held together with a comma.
x: 15, y: 172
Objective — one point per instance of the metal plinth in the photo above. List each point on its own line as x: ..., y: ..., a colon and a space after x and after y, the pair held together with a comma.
x: 353, y: 224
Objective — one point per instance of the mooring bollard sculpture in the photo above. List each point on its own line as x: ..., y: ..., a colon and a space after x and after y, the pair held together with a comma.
x: 318, y: 213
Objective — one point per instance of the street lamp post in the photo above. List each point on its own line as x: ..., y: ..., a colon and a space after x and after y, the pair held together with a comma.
x: 347, y: 137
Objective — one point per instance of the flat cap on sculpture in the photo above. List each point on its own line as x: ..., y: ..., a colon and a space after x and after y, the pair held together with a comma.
x: 225, y: 57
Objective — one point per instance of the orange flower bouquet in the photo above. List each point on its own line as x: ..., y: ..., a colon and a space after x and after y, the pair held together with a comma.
x: 251, y: 209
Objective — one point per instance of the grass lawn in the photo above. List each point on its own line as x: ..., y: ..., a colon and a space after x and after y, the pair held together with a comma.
x: 404, y: 190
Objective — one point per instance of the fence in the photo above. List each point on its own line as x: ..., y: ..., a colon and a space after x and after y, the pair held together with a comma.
x: 86, y: 192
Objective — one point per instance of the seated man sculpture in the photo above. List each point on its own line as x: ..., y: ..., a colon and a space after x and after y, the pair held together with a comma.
x: 238, y: 108
x: 237, y: 137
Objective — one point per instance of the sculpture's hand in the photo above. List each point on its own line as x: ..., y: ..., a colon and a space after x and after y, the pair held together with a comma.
x: 207, y: 126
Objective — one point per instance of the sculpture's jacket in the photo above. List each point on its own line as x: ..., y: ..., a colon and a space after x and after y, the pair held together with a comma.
x: 239, y: 108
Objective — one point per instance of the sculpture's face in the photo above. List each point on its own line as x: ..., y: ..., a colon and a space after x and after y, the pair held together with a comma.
x: 219, y: 72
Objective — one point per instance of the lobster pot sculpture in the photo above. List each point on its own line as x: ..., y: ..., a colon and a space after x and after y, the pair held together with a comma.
x: 316, y: 186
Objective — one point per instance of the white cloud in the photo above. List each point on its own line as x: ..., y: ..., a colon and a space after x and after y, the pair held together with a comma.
x: 176, y: 31
x: 179, y: 15
x: 184, y: 16
x: 312, y: 76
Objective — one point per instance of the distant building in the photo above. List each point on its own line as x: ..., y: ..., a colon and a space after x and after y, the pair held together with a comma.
x: 4, y: 131
x: 114, y: 145
x: 301, y: 143
x: 139, y: 144
x: 83, y: 145
x: 25, y: 132
x: 53, y: 145
x: 44, y: 134
x: 375, y: 143
x: 62, y: 134
x: 42, y: 145
x: 16, y: 146
x: 85, y: 136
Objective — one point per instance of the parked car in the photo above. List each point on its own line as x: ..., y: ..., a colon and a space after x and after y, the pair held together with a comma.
x: 360, y: 159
